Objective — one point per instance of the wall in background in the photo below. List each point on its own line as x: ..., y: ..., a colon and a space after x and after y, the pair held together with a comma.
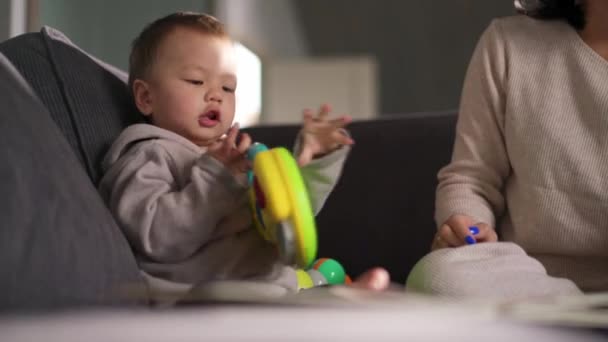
x: 349, y: 85
x: 13, y: 15
x: 422, y: 47
x: 106, y: 28
x: 270, y: 28
x: 5, y: 10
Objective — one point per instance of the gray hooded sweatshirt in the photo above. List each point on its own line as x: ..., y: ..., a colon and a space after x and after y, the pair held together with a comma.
x: 187, y: 217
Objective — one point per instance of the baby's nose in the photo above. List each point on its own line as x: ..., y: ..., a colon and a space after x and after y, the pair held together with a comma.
x: 214, y: 96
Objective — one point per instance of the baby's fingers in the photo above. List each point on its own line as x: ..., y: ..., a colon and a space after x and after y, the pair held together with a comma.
x: 324, y: 111
x: 341, y: 122
x: 243, y: 165
x: 230, y: 141
x: 341, y: 138
x: 307, y: 116
x: 244, y: 143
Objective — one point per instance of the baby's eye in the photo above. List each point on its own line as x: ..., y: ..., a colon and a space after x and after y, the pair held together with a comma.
x: 228, y: 89
x: 195, y: 82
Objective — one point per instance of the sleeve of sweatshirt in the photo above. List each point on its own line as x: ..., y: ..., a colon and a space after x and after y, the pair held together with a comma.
x: 322, y: 174
x: 164, y: 222
x: 472, y: 183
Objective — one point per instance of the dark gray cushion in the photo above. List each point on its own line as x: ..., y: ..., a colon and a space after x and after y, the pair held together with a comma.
x: 59, y: 246
x: 90, y: 104
x: 381, y: 212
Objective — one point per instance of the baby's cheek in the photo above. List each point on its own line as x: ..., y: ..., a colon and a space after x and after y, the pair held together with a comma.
x: 178, y: 108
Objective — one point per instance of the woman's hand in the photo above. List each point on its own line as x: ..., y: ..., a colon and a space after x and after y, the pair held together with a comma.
x: 461, y: 230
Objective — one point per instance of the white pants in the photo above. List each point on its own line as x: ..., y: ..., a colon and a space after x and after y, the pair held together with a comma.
x: 499, y: 270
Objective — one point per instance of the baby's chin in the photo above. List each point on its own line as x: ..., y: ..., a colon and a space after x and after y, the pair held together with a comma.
x: 207, y: 140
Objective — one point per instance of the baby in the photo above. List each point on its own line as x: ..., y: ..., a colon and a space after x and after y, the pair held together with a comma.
x: 177, y: 185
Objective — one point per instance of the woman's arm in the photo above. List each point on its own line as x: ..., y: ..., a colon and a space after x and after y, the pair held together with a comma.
x: 472, y: 184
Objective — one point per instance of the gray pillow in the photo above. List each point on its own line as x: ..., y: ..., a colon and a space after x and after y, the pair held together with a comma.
x: 59, y: 245
x: 87, y: 98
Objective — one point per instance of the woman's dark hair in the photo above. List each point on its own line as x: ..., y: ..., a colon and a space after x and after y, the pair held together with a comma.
x: 570, y: 10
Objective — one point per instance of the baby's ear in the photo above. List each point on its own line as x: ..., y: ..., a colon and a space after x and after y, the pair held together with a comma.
x: 142, y: 96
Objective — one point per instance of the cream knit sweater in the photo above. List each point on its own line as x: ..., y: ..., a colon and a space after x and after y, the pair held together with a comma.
x: 531, y: 152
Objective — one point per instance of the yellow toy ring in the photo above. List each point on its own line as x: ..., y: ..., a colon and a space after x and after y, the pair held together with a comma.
x: 281, y: 206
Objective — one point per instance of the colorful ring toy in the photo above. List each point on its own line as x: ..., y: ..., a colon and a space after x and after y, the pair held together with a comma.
x: 280, y: 204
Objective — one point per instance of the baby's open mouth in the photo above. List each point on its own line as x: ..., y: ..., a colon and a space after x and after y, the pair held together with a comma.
x: 209, y: 119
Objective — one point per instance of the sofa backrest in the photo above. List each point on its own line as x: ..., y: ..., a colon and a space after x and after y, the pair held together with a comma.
x: 89, y: 103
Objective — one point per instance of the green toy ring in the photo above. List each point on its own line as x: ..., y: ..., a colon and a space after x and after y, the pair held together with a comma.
x: 281, y: 206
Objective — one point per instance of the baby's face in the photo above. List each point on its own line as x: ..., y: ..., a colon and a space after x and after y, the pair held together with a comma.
x: 192, y: 84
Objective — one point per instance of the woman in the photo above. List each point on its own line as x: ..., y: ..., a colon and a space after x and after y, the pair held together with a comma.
x: 530, y: 159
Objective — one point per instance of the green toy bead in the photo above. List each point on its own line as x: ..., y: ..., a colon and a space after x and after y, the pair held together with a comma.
x: 331, y: 270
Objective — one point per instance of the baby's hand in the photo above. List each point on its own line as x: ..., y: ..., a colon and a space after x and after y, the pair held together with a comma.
x: 321, y: 135
x: 459, y: 230
x: 233, y: 156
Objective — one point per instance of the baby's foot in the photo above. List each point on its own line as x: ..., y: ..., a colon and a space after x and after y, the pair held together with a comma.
x: 376, y: 279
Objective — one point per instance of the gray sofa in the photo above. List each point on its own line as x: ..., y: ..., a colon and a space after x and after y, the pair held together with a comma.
x: 60, y: 247
x: 68, y: 274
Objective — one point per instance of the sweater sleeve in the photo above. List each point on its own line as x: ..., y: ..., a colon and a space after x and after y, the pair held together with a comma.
x: 163, y: 221
x: 472, y: 184
x: 322, y: 174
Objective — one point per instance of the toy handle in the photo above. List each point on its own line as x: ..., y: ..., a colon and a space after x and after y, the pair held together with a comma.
x: 253, y: 150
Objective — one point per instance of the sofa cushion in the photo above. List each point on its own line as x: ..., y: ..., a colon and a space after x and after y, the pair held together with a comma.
x: 59, y: 246
x: 87, y: 98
